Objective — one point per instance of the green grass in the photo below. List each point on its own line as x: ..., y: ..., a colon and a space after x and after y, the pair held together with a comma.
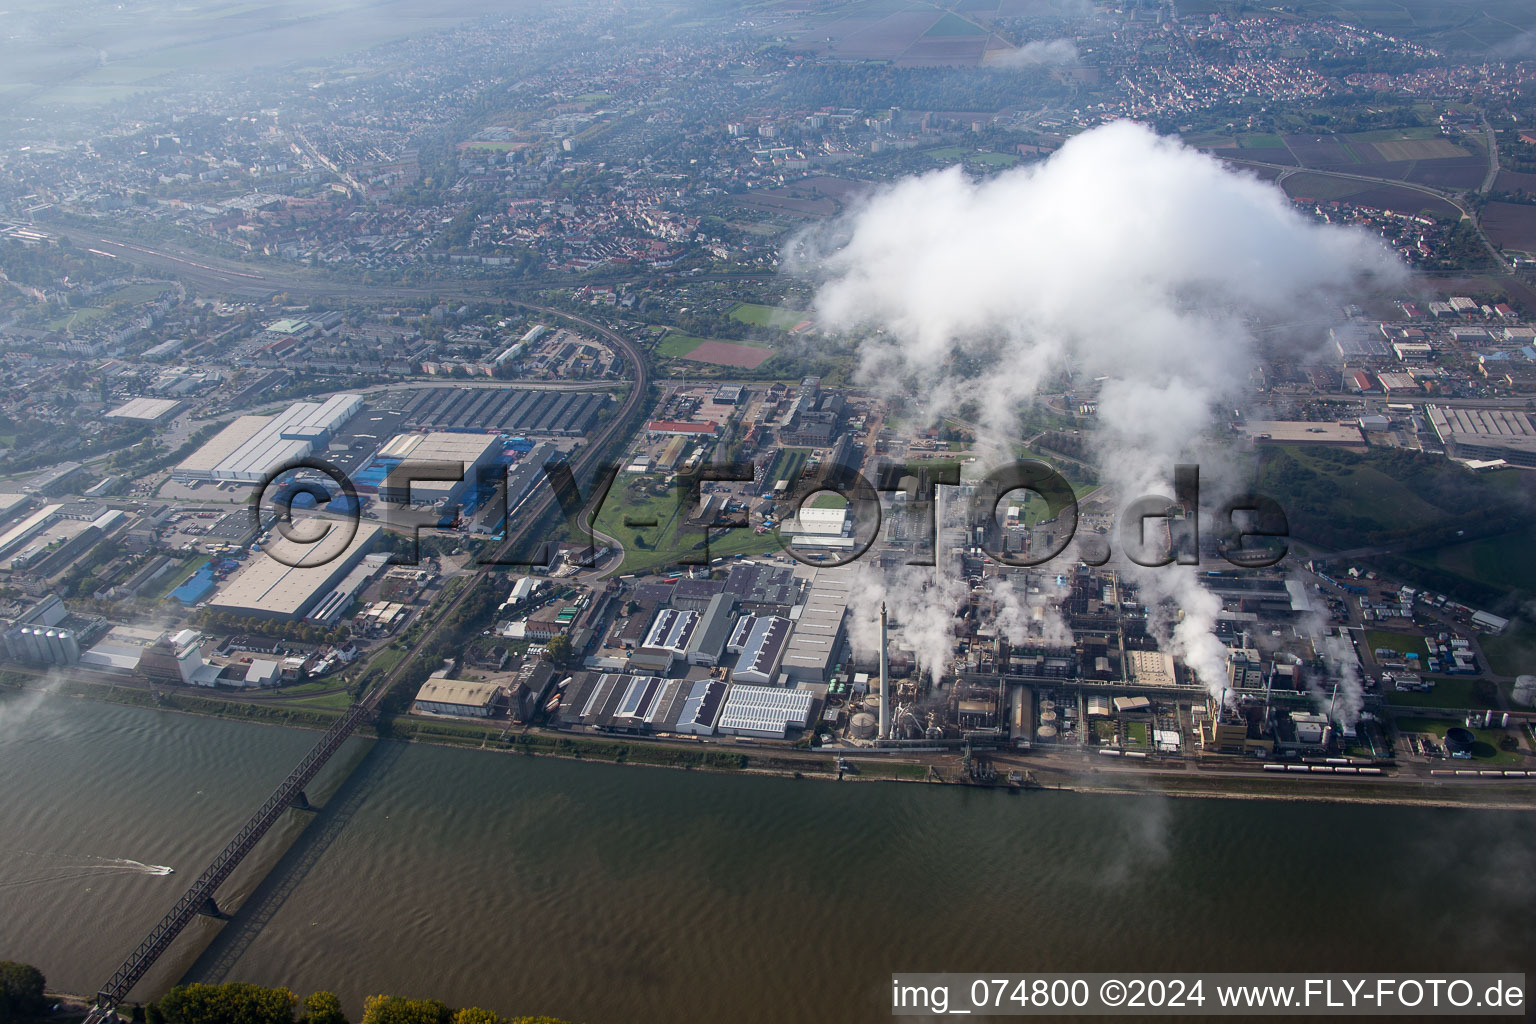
x: 1449, y: 692
x: 1485, y: 748
x: 828, y: 499
x: 773, y: 317
x: 75, y: 318
x: 174, y: 578
x: 1402, y: 643
x: 1513, y: 652
x: 787, y: 465
x: 953, y: 25
x: 1507, y: 562
x: 964, y: 154
x: 1136, y: 734
x: 676, y: 345
x: 1396, y: 134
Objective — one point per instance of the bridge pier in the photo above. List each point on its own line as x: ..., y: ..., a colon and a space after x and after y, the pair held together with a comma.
x: 301, y: 802
x: 211, y: 909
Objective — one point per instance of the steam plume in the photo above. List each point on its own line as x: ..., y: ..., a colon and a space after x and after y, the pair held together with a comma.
x: 1125, y: 256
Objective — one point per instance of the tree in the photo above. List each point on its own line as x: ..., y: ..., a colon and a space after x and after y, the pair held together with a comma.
x: 477, y: 1015
x: 21, y: 990
x: 399, y: 1010
x: 323, y: 1008
x: 558, y: 648
x: 221, y: 1004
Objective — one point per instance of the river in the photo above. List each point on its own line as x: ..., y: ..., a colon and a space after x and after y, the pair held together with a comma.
x: 618, y: 895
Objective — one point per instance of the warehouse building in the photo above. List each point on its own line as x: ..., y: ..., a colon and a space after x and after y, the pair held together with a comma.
x: 146, y: 410
x: 702, y: 707
x: 1485, y: 434
x: 507, y: 410
x: 251, y: 447
x: 818, y: 634
x: 761, y: 642
x: 440, y: 695
x: 713, y: 631
x: 472, y: 453
x: 667, y: 640
x: 269, y: 589
x: 766, y: 712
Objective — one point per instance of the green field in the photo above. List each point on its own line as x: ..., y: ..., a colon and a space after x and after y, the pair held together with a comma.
x: 1513, y: 652
x: 676, y: 345
x: 787, y: 465
x: 1506, y: 562
x: 773, y: 317
x: 1136, y: 734
x: 1449, y: 692
x: 75, y: 318
x: 1348, y: 499
x: 950, y: 154
x: 647, y: 499
x: 1402, y: 643
x: 954, y: 25
x: 174, y: 578
x: 1485, y: 749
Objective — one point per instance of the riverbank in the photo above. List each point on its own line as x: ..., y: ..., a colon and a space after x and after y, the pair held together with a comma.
x: 1044, y: 775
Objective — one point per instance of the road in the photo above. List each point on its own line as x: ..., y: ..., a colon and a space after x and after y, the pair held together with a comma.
x: 1286, y: 170
x: 1493, y: 158
x: 583, y: 462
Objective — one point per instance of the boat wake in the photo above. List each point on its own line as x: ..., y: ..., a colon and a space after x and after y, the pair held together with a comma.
x: 69, y: 868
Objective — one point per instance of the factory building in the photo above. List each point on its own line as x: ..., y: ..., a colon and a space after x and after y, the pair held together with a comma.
x: 472, y: 453
x: 146, y: 410
x: 507, y: 410
x: 713, y: 631
x: 1485, y: 434
x: 667, y: 641
x: 766, y: 712
x: 440, y: 695
x: 761, y: 642
x: 818, y: 633
x: 1151, y: 668
x: 334, y: 604
x: 702, y: 708
x: 252, y: 446
x: 38, y: 635
x: 177, y: 658
x: 270, y: 589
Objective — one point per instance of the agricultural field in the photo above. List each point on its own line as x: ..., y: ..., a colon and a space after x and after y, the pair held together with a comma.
x: 903, y: 32
x: 1513, y: 652
x: 1460, y: 26
x: 1506, y: 562
x: 677, y: 345
x: 1511, y: 225
x: 771, y: 317
x: 1325, y: 187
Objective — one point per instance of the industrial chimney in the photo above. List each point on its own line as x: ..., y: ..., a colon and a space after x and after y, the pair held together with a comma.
x: 885, y: 678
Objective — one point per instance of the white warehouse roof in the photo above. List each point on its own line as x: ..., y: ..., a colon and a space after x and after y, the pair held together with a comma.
x: 765, y: 710
x: 270, y: 588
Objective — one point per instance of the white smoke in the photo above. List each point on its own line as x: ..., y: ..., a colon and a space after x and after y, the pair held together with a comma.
x: 1047, y: 52
x: 1344, y: 692
x: 1018, y: 621
x: 921, y: 603
x: 1125, y: 256
x: 18, y: 708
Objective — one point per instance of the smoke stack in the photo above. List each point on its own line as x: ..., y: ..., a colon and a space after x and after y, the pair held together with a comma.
x: 885, y: 678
